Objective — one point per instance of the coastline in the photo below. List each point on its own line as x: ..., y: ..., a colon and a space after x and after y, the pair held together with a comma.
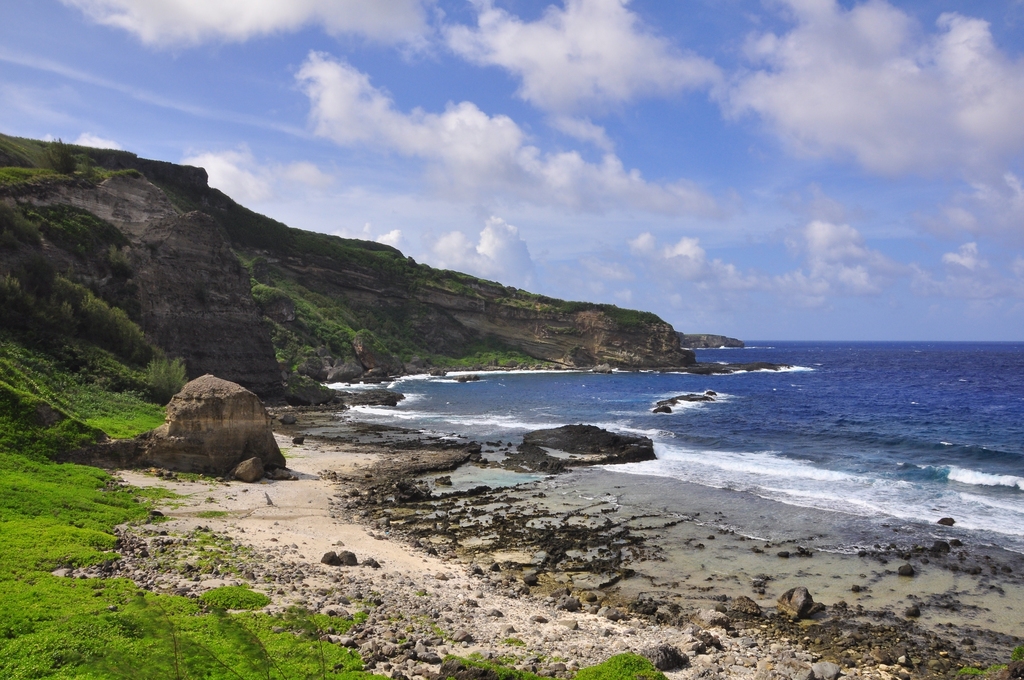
x: 664, y: 586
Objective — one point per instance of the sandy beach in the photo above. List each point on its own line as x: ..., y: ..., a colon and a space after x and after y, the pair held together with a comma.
x: 426, y: 576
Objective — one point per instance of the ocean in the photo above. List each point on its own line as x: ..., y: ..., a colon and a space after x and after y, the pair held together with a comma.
x: 864, y: 436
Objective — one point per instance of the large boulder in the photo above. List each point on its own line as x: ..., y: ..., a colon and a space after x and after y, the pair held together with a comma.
x: 212, y: 426
x: 585, y: 444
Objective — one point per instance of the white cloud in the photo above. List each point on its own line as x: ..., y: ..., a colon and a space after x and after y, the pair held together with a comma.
x: 584, y: 130
x: 836, y: 262
x: 590, y: 52
x: 837, y: 256
x: 687, y: 260
x: 304, y: 172
x: 499, y: 254
x: 473, y: 156
x: 970, y: 276
x: 190, y: 22
x: 869, y: 83
x: 238, y: 174
x: 966, y: 257
x: 95, y: 141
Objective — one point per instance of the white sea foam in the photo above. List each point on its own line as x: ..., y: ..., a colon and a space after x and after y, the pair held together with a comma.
x: 804, y: 484
x: 974, y: 477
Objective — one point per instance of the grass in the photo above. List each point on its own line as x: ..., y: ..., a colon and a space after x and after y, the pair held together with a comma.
x: 622, y: 667
x: 212, y: 514
x: 234, y: 597
x: 85, y: 394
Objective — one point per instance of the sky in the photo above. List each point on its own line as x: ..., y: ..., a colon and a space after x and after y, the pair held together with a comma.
x: 765, y: 169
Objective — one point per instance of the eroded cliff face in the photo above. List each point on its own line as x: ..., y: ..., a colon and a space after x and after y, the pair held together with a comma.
x: 193, y: 294
x: 448, y: 321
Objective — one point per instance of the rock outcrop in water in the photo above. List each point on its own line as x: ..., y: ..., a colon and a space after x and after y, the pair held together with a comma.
x: 708, y: 341
x: 583, y: 444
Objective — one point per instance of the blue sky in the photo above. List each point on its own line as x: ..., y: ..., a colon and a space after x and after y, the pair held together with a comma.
x: 769, y: 169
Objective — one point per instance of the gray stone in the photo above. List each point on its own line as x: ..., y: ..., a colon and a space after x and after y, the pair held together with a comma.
x: 826, y: 670
x: 665, y: 657
x: 709, y: 618
x: 906, y: 570
x: 250, y: 470
x: 798, y: 603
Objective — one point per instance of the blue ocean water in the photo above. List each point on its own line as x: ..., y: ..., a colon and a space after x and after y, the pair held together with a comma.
x: 912, y: 431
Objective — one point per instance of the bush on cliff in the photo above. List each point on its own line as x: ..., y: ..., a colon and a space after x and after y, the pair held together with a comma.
x: 165, y: 378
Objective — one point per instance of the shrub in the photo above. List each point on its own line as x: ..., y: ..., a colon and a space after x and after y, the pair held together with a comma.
x: 118, y: 262
x: 165, y: 378
x: 1017, y: 654
x: 61, y: 157
x: 234, y: 597
x: 15, y: 229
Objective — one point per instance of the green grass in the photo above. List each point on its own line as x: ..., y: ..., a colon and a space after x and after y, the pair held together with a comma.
x: 14, y: 176
x: 212, y: 514
x: 234, y: 597
x: 86, y: 394
x: 1017, y: 654
x: 622, y: 667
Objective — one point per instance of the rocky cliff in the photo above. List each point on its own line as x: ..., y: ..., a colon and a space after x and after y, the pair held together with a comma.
x: 244, y: 297
x: 191, y: 293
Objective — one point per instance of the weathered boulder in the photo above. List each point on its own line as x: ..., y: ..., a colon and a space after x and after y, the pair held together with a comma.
x: 798, y: 603
x: 602, y: 368
x: 212, y: 425
x: 250, y: 470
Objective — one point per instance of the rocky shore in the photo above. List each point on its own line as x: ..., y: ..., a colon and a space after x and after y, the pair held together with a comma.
x: 398, y: 525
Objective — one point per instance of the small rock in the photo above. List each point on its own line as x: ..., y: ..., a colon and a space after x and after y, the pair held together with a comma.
x: 665, y: 657
x: 947, y: 521
x: 462, y: 636
x: 913, y: 611
x: 537, y: 618
x: 249, y: 471
x: 798, y: 603
x: 370, y: 562
x: 745, y: 605
x: 826, y: 670
x: 662, y: 409
x: 571, y: 624
x: 331, y: 559
x: 905, y: 570
x: 288, y: 419
x: 495, y: 613
x: 709, y: 618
